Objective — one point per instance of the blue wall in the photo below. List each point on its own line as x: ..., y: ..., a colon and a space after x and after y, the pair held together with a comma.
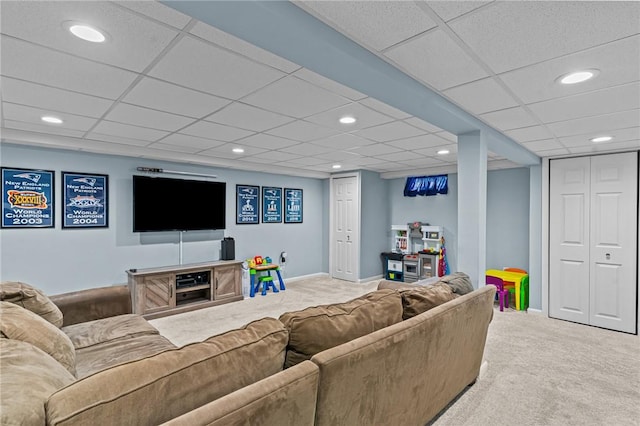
x: 58, y: 261
x: 375, y: 213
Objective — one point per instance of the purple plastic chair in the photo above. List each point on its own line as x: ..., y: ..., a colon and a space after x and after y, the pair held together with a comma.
x: 502, y: 293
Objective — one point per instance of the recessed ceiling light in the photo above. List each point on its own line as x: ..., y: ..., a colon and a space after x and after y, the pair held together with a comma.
x: 336, y: 166
x: 86, y: 32
x: 443, y: 152
x: 51, y: 119
x: 578, y: 76
x: 601, y: 139
x: 238, y: 150
x: 347, y: 120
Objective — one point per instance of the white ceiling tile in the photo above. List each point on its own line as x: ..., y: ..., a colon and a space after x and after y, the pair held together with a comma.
x: 375, y: 150
x: 389, y: 131
x: 384, y: 108
x: 207, y: 130
x: 553, y: 152
x: 307, y: 149
x: 437, y: 60
x: 266, y: 141
x: 528, y: 134
x: 511, y: 118
x: 401, y: 156
x: 179, y: 139
x: 294, y: 97
x: 157, y: 11
x: 448, y: 136
x: 272, y: 157
x: 620, y: 135
x: 620, y: 98
x: 25, y: 61
x: 174, y: 148
x: 449, y: 10
x: 328, y: 84
x: 156, y: 94
x: 32, y: 115
x: 132, y: 41
x: 508, y: 35
x: 602, y: 123
x: 145, y: 117
x: 307, y: 161
x: 49, y: 98
x: 343, y: 141
x: 366, y: 161
x: 418, y: 142
x: 481, y: 96
x: 618, y: 63
x: 303, y: 131
x: 48, y: 129
x: 224, y: 151
x: 126, y: 131
x: 542, y: 145
x: 421, y: 161
x: 240, y: 46
x: 605, y: 147
x: 202, y: 66
x: 248, y: 117
x: 339, y: 156
x: 433, y: 152
x: 366, y: 117
x: 120, y: 143
x: 378, y: 24
x: 421, y: 124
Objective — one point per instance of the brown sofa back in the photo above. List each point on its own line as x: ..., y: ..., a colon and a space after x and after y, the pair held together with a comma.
x: 408, y: 372
x: 92, y: 304
x: 164, y: 386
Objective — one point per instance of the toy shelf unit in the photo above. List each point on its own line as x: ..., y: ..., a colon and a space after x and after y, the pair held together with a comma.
x: 400, y: 238
x: 431, y: 237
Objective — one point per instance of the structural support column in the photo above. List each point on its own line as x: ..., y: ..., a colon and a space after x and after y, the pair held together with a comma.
x: 472, y: 206
x: 535, y: 237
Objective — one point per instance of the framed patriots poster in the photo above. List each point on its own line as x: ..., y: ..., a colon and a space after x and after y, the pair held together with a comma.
x: 27, y: 198
x: 247, y: 204
x: 85, y: 200
x: 293, y: 205
x: 271, y: 204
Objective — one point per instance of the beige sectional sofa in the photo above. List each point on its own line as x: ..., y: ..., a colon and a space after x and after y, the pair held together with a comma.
x: 374, y: 360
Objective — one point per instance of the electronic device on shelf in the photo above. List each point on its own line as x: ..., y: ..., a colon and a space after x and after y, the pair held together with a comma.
x: 192, y: 279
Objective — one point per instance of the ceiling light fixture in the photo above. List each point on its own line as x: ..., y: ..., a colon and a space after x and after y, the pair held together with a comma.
x: 578, y: 76
x: 51, y: 119
x: 336, y: 166
x: 601, y: 139
x: 443, y: 152
x: 238, y: 150
x: 86, y: 32
x: 347, y: 120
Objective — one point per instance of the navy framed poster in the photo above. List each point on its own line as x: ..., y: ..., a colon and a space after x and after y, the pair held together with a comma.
x: 271, y: 204
x: 247, y: 204
x: 293, y: 205
x: 85, y: 200
x: 27, y: 198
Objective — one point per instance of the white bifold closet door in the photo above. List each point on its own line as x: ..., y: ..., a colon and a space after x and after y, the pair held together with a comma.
x: 593, y: 240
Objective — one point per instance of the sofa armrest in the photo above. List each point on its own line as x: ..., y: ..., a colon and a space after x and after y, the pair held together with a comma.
x: 92, y: 304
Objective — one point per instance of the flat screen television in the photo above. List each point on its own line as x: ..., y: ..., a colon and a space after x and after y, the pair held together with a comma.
x: 165, y: 204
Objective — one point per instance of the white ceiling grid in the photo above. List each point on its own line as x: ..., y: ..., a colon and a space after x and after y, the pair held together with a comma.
x: 165, y: 86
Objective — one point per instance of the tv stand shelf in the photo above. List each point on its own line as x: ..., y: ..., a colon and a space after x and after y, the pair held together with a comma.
x: 154, y: 293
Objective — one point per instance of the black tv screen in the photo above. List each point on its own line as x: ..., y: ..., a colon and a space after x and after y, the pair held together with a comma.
x: 164, y: 204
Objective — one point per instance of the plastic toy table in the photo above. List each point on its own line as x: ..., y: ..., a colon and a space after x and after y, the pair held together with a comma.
x: 267, y: 282
x: 516, y: 279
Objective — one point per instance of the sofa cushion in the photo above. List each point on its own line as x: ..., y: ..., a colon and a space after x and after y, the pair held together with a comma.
x: 315, y: 329
x: 459, y: 282
x: 32, y: 299
x: 108, y: 329
x: 419, y: 300
x: 17, y: 323
x: 29, y: 376
x: 92, y: 359
x: 161, y: 387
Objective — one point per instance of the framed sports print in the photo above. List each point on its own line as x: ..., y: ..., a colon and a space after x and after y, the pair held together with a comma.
x: 85, y: 200
x: 293, y: 205
x: 247, y: 204
x: 27, y: 198
x: 271, y: 204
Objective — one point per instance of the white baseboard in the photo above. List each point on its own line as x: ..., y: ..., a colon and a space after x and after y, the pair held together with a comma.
x: 483, y: 369
x: 537, y: 311
x: 366, y: 280
x: 302, y: 277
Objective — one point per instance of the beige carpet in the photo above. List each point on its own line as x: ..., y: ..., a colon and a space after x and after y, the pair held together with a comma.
x: 538, y: 371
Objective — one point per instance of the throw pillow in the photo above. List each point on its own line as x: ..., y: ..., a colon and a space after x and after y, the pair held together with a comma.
x: 32, y: 299
x: 29, y: 376
x: 419, y: 300
x: 315, y: 329
x: 20, y: 324
x: 459, y: 282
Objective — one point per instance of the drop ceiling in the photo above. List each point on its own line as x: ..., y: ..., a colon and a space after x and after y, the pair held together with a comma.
x: 165, y: 86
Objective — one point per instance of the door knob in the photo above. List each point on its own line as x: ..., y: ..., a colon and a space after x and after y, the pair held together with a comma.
x: 608, y: 256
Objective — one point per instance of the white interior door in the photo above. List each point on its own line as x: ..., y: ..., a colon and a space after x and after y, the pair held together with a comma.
x: 613, y: 241
x: 569, y: 239
x: 345, y: 228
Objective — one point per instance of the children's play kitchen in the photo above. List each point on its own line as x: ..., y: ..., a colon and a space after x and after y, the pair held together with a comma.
x: 417, y: 253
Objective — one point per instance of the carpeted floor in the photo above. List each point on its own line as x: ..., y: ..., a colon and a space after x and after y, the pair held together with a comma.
x: 538, y: 371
